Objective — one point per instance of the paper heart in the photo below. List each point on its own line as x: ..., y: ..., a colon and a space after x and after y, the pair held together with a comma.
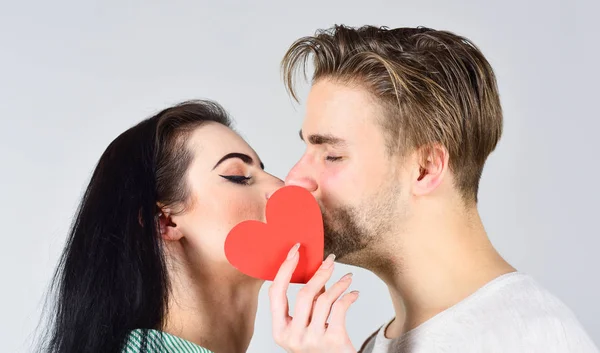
x: 258, y: 249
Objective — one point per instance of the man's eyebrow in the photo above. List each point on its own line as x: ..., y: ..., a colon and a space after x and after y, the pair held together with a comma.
x: 244, y: 157
x: 326, y: 139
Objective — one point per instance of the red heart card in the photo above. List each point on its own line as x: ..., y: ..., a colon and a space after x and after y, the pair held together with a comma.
x: 258, y: 249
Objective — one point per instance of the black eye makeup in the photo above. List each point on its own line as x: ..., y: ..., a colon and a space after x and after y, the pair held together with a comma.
x: 235, y: 176
x: 237, y: 179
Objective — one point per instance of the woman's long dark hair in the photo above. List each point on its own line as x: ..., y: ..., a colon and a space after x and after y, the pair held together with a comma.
x: 112, y: 277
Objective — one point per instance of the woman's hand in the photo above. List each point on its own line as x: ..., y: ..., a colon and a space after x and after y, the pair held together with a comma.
x: 308, y: 330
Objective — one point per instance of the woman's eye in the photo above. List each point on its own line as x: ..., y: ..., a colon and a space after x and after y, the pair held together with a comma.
x: 333, y: 158
x: 238, y: 179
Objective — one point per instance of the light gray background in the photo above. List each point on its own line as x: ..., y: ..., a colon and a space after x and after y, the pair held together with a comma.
x: 73, y: 75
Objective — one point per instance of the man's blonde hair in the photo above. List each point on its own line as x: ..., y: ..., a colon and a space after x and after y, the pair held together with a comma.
x: 435, y: 86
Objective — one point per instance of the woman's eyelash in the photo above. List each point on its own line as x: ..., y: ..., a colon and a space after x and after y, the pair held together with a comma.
x: 333, y: 158
x: 238, y: 179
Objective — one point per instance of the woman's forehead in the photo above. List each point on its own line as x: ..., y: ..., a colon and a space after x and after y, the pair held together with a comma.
x: 212, y: 141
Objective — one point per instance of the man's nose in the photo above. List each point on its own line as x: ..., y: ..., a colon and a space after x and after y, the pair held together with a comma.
x: 299, y: 176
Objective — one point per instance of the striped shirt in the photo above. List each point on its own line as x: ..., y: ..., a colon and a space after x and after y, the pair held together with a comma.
x: 160, y: 342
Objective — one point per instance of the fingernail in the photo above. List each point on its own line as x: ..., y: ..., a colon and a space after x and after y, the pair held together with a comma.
x: 355, y: 292
x: 293, y: 251
x: 328, y: 262
x: 346, y: 277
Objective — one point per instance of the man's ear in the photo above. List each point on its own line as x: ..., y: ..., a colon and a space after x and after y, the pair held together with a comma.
x: 432, y: 167
x: 168, y: 229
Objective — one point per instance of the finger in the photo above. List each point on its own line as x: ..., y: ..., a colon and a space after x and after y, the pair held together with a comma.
x: 325, y: 302
x: 278, y: 290
x: 337, y: 320
x: 319, y: 293
x: 306, y: 295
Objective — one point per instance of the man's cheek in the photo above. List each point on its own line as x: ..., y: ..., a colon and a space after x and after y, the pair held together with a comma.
x: 340, y: 186
x: 332, y: 181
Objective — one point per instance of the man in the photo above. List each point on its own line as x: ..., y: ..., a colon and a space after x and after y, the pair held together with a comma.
x: 398, y: 126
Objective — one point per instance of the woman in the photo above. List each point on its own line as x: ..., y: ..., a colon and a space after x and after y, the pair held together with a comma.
x: 144, y: 268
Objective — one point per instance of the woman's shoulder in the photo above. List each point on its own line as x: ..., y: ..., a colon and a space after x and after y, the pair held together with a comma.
x: 154, y: 341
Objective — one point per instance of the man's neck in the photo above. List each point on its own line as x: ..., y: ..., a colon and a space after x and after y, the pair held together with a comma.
x: 437, y: 261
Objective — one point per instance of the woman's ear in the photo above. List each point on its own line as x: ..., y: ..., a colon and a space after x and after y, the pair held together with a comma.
x: 168, y: 229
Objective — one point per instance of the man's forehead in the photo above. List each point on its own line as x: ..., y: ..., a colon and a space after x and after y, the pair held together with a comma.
x: 335, y: 127
x: 330, y: 108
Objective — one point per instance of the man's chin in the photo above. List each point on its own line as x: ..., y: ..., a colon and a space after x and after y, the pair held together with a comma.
x: 345, y: 255
x: 353, y: 258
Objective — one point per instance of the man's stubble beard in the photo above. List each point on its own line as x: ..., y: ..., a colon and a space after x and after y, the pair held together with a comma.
x: 353, y: 233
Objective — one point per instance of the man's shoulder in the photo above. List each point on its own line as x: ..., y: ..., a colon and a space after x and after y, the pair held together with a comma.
x: 543, y: 333
x: 522, y: 313
x: 520, y: 296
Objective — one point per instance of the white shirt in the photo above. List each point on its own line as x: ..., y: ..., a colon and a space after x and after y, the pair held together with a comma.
x: 510, y: 314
